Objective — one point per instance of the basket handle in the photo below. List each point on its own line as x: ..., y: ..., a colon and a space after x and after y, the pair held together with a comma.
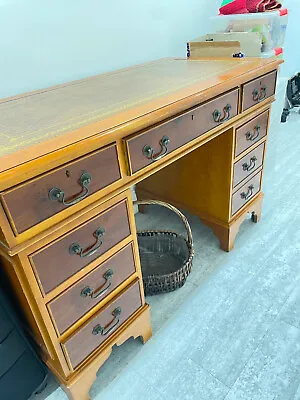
x: 172, y: 208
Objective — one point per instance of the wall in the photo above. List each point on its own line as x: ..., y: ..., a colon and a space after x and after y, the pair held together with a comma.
x: 52, y: 41
x: 291, y: 47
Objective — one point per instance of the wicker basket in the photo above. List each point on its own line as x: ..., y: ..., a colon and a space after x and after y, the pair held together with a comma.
x: 166, y: 257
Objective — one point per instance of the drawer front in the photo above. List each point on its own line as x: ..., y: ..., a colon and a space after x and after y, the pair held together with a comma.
x: 84, y: 295
x: 245, y: 193
x: 155, y: 143
x: 248, y: 164
x: 251, y: 132
x: 63, y: 258
x: 258, y: 90
x: 33, y: 202
x: 88, y: 338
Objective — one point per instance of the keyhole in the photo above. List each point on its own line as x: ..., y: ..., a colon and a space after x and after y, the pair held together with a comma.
x: 68, y: 173
x: 192, y: 117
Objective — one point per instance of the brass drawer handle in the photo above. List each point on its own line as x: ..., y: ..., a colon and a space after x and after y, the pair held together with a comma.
x: 75, y: 248
x: 252, y: 136
x: 105, y: 330
x: 226, y: 114
x: 148, y: 151
x: 95, y: 294
x: 251, y: 165
x: 58, y: 194
x: 259, y: 95
x: 247, y: 195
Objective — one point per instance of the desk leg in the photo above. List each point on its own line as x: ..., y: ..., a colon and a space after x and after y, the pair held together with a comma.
x: 78, y: 385
x: 226, y: 232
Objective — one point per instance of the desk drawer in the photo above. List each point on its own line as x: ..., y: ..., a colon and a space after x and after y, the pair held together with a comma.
x: 258, y: 90
x: 88, y: 338
x: 70, y: 306
x: 63, y: 258
x: 153, y: 144
x: 35, y: 201
x: 251, y: 132
x: 248, y: 164
x: 245, y: 193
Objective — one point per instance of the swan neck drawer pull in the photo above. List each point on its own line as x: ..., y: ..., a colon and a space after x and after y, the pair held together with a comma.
x: 226, y: 114
x: 75, y: 248
x: 251, y: 165
x: 148, y: 151
x: 259, y: 95
x: 105, y: 330
x: 96, y: 293
x: 57, y: 194
x: 252, y: 136
x: 249, y: 193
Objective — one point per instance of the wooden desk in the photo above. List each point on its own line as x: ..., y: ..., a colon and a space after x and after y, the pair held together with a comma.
x: 189, y: 132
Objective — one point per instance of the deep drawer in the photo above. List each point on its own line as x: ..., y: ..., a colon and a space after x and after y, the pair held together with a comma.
x: 251, y: 132
x: 245, y: 193
x: 248, y: 164
x: 69, y: 254
x: 35, y: 201
x: 153, y: 144
x: 258, y: 90
x: 84, y: 295
x: 88, y: 338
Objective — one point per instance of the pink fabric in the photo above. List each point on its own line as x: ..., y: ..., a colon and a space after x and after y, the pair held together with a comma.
x: 254, y: 6
x: 235, y: 7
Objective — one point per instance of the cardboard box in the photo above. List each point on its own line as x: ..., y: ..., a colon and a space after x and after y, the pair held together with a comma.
x: 196, y: 49
x: 226, y: 44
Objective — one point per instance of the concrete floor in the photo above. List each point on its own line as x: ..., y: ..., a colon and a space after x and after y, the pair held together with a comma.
x: 233, y: 330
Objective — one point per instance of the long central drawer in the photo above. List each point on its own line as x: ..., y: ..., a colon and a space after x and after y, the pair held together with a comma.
x: 63, y: 258
x: 151, y: 145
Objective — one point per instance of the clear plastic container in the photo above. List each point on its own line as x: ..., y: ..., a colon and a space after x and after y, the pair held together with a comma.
x: 278, y: 53
x: 272, y: 26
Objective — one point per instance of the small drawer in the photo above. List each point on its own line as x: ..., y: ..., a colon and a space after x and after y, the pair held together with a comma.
x: 251, y: 132
x: 245, y: 193
x: 63, y: 258
x: 248, y: 164
x: 35, y: 201
x: 258, y: 90
x: 153, y: 144
x: 84, y: 295
x: 89, y: 337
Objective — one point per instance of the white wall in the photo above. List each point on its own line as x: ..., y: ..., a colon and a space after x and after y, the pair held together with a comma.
x: 292, y: 40
x: 52, y: 41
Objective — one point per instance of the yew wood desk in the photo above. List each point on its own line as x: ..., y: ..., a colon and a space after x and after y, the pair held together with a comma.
x: 190, y: 132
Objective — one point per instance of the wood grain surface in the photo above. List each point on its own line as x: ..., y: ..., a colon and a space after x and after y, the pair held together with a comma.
x: 253, y: 160
x: 180, y: 130
x: 84, y: 342
x: 29, y: 204
x: 251, y: 132
x: 57, y: 115
x: 268, y: 82
x: 237, y: 198
x: 71, y: 305
x: 54, y: 264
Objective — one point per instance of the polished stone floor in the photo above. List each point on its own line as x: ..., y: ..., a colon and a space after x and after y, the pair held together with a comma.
x: 233, y: 331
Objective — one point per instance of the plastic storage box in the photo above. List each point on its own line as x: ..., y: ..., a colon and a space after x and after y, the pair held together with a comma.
x: 272, y: 26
